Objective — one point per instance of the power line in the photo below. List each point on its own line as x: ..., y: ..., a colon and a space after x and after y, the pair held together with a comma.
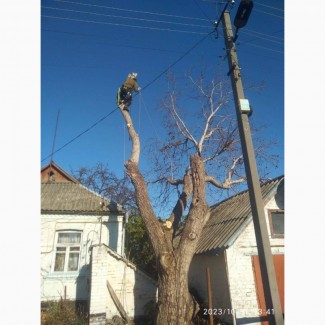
x: 268, y: 13
x: 248, y: 32
x: 179, y: 59
x: 267, y: 6
x: 271, y: 36
x: 203, y: 12
x: 261, y: 37
x: 124, y: 25
x: 129, y: 10
x: 258, y: 46
x: 123, y: 17
x: 162, y: 14
x: 141, y: 19
x: 79, y: 135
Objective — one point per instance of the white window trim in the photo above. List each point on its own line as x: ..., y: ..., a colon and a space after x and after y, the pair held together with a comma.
x: 65, y: 271
x: 272, y: 233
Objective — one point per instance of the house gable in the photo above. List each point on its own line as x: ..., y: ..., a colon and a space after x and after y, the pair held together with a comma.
x: 53, y: 173
x: 230, y: 217
x: 229, y: 249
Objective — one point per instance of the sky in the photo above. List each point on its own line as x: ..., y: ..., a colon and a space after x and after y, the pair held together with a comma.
x: 28, y: 78
x: 89, y: 47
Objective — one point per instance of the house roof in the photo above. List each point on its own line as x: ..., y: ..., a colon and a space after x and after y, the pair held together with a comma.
x: 71, y: 197
x: 229, y: 217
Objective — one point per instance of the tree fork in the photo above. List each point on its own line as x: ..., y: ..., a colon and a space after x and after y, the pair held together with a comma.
x: 175, y: 303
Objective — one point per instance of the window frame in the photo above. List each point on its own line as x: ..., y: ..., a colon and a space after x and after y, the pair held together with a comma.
x: 68, y: 251
x: 273, y: 234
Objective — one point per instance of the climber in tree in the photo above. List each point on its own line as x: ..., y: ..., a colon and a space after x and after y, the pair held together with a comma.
x: 124, y: 95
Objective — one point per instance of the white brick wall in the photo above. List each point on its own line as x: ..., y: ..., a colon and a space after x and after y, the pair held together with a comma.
x: 240, y: 268
x: 132, y: 287
x: 53, y: 283
x: 219, y: 283
x: 235, y: 277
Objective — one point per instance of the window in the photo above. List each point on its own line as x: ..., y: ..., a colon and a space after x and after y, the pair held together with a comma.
x: 276, y: 218
x: 67, y: 252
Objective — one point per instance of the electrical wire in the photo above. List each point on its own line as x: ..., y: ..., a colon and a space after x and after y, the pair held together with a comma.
x: 261, y: 37
x: 267, y: 6
x: 123, y: 17
x: 159, y: 75
x: 268, y: 13
x: 80, y: 134
x: 267, y: 35
x: 146, y: 86
x: 203, y: 12
x: 124, y: 25
x: 179, y: 59
x: 166, y: 15
x: 142, y: 19
x: 246, y: 31
x: 261, y: 47
x: 129, y: 10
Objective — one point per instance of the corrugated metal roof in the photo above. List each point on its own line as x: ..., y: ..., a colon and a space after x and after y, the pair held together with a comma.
x: 71, y: 197
x: 227, y: 217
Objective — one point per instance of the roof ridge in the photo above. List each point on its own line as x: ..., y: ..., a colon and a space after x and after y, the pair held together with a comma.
x: 245, y: 191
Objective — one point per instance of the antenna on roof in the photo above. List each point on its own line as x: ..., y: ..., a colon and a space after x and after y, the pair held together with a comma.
x: 51, y: 173
x: 56, y: 128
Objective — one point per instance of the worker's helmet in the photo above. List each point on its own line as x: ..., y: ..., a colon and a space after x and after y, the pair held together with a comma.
x: 134, y: 75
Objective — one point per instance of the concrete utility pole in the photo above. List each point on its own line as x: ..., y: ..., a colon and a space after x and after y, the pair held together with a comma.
x: 273, y: 306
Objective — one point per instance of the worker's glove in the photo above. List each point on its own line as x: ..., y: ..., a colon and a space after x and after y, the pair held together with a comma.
x: 139, y: 89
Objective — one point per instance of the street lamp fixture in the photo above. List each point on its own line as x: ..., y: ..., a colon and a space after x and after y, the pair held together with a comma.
x: 244, y: 10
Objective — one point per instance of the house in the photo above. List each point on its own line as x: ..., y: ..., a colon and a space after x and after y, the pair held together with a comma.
x: 82, y: 252
x: 227, y: 248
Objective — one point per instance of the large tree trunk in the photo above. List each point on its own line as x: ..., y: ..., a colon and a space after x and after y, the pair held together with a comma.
x: 175, y: 304
x: 174, y: 255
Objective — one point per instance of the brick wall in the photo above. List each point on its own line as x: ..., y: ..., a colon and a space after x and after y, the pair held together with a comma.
x: 232, y: 275
x: 133, y: 288
x: 219, y: 284
x: 54, y: 284
x: 240, y: 270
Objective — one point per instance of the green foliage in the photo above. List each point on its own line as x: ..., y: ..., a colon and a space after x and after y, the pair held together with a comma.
x: 138, y: 247
x: 62, y: 313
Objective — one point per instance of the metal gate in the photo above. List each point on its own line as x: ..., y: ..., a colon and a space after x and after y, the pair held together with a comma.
x: 279, y: 271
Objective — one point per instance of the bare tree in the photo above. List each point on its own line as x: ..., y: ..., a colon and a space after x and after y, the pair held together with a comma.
x: 184, y: 162
x: 104, y: 182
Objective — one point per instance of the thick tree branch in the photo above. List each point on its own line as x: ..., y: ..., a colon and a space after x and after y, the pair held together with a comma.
x: 199, y: 210
x: 151, y: 222
x: 135, y: 154
x: 226, y: 184
x: 214, y: 182
x: 175, y: 182
x: 177, y: 213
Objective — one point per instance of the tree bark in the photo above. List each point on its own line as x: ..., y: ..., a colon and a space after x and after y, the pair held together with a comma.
x: 175, y: 303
